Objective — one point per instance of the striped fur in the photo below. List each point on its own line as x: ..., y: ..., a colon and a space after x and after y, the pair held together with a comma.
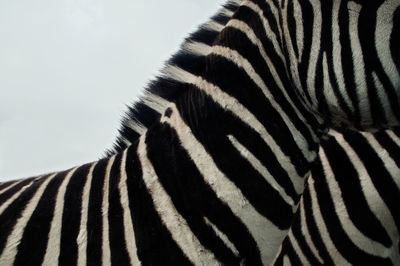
x: 217, y: 179
x: 349, y: 212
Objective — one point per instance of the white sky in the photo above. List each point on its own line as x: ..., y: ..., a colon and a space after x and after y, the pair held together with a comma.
x: 68, y: 67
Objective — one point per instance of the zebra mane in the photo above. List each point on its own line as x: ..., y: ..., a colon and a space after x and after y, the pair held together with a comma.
x: 170, y: 82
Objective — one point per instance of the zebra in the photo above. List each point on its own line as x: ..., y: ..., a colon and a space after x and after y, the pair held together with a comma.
x: 207, y: 212
x: 384, y: 148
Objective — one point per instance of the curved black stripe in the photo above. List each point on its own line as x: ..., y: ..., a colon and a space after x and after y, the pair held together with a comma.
x: 257, y: 146
x: 252, y: 54
x: 389, y: 145
x: 241, y: 87
x: 155, y: 245
x: 38, y: 228
x: 229, y: 161
x: 119, y: 253
x: 311, y: 221
x: 191, y: 195
x: 347, y: 64
x: 95, y: 220
x: 10, y: 192
x: 382, y: 180
x: 290, y: 254
x: 71, y: 216
x: 336, y: 232
x: 9, y: 217
x: 296, y: 229
x: 352, y: 192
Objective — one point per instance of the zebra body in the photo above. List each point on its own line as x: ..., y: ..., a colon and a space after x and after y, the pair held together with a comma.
x: 217, y: 179
x: 348, y: 213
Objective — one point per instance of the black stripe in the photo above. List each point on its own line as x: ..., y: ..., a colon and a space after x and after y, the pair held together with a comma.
x: 290, y: 253
x: 296, y: 229
x: 389, y: 145
x: 189, y: 62
x: 257, y: 146
x: 228, y: 159
x: 119, y: 253
x: 203, y: 35
x: 9, y: 217
x: 313, y: 229
x: 33, y: 244
x: 326, y: 46
x: 241, y: 87
x: 194, y: 199
x: 155, y: 245
x: 352, y: 192
x: 252, y: 54
x: 71, y: 216
x: 347, y: 62
x: 381, y: 178
x: 221, y: 19
x: 10, y: 192
x: 95, y: 218
x: 343, y: 243
x: 292, y: 27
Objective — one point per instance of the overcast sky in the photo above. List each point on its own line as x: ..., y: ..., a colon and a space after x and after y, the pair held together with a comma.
x: 68, y: 67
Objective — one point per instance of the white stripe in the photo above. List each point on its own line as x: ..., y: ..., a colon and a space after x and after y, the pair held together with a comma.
x: 297, y: 249
x: 335, y: 255
x: 237, y: 2
x: 329, y: 94
x: 286, y: 261
x: 222, y: 236
x: 178, y: 74
x: 105, y: 245
x: 126, y: 141
x: 372, y: 196
x: 243, y: 27
x: 176, y: 224
x: 228, y: 102
x: 135, y: 126
x: 383, y: 99
x: 14, y: 197
x: 81, y: 239
x: 387, y: 160
x: 306, y: 233
x: 383, y: 34
x: 10, y: 186
x: 196, y: 48
x: 267, y: 236
x: 394, y: 137
x: 356, y: 237
x: 337, y: 55
x: 213, y: 26
x: 262, y: 170
x: 11, y: 248
x: 293, y: 62
x: 314, y: 51
x: 242, y: 62
x: 53, y: 244
x: 298, y: 16
x: 358, y: 62
x: 225, y: 12
x: 267, y: 28
x: 155, y: 102
x: 127, y: 216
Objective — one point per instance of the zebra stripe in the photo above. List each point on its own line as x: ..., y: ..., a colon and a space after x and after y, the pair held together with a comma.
x: 362, y: 210
x: 220, y: 167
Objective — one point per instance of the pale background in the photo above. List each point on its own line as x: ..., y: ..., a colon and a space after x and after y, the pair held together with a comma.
x: 68, y: 67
